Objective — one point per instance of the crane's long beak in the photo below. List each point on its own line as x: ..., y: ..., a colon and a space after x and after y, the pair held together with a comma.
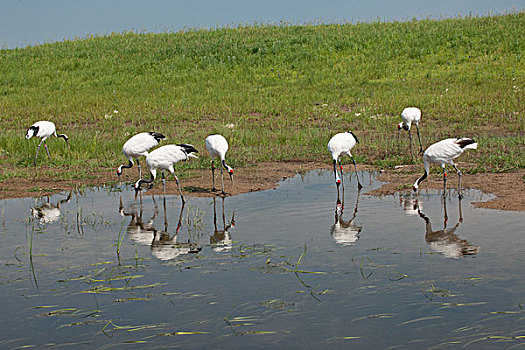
x: 231, y: 177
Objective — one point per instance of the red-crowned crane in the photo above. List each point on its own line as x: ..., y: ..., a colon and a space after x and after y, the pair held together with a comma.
x: 44, y: 129
x: 339, y: 145
x: 163, y: 159
x: 217, y: 146
x: 442, y: 153
x: 137, y: 146
x: 411, y: 115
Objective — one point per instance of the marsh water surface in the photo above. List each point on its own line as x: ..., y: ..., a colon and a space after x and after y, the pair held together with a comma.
x: 102, y: 268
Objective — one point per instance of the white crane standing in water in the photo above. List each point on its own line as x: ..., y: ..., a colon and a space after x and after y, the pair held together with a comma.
x: 217, y: 146
x: 137, y: 146
x: 339, y: 145
x: 44, y: 129
x: 411, y: 115
x: 442, y: 153
x: 163, y: 158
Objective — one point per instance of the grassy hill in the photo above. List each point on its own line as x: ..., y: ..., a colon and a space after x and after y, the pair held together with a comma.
x: 286, y: 89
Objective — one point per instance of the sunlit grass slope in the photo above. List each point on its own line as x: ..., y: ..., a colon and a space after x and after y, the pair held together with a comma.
x: 286, y: 89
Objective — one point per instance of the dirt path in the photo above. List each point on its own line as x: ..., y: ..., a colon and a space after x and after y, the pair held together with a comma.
x: 509, y: 187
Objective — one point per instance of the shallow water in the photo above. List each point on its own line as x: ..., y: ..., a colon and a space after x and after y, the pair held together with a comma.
x: 278, y: 268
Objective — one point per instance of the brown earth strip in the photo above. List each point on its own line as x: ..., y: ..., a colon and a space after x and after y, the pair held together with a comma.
x: 509, y: 187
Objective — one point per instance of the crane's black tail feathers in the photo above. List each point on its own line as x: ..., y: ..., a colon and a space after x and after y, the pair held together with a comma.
x: 157, y: 136
x: 466, y: 143
x: 188, y: 148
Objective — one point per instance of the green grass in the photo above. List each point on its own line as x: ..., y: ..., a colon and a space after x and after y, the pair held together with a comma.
x: 287, y: 89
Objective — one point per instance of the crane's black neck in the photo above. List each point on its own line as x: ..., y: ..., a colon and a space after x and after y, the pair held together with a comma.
x: 141, y: 181
x: 355, y: 137
x: 422, y: 178
x: 34, y: 128
x: 127, y: 166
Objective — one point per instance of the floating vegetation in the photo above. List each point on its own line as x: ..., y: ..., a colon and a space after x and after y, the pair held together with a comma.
x: 433, y: 291
x: 102, y: 289
x: 421, y: 319
x: 181, y: 333
x: 276, y: 304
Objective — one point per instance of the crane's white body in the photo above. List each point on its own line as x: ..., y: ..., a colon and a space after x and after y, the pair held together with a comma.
x: 137, y: 146
x: 217, y: 147
x: 442, y: 153
x: 44, y: 129
x: 339, y: 145
x: 163, y: 158
x: 445, y: 151
x: 411, y: 115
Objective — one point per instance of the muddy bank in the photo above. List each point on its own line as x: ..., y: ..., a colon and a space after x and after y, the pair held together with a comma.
x: 509, y: 187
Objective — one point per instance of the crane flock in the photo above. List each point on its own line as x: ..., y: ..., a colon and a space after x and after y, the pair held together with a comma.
x: 341, y: 144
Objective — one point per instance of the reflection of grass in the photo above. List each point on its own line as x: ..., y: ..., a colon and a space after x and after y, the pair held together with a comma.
x: 286, y: 89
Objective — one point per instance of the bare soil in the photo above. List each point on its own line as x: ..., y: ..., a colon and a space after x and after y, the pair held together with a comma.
x: 509, y: 187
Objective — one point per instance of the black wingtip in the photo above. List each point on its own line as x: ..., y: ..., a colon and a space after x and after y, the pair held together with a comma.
x: 188, y: 148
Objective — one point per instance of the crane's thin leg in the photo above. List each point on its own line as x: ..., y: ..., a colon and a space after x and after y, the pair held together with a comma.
x: 341, y: 169
x: 222, y: 181
x: 140, y: 170
x: 460, y: 214
x: 410, y: 137
x: 179, y: 224
x: 223, y: 216
x: 335, y: 173
x: 163, y: 182
x: 459, y: 181
x: 445, y: 215
x: 214, y: 215
x: 37, y: 149
x: 213, y: 176
x: 356, y: 175
x: 165, y: 216
x: 419, y: 138
x: 47, y: 150
x: 178, y: 185
x: 444, y: 180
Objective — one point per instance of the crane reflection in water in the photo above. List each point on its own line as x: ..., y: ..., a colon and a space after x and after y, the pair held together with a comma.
x: 221, y: 240
x: 47, y: 213
x: 164, y: 245
x: 345, y: 232
x: 446, y: 241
